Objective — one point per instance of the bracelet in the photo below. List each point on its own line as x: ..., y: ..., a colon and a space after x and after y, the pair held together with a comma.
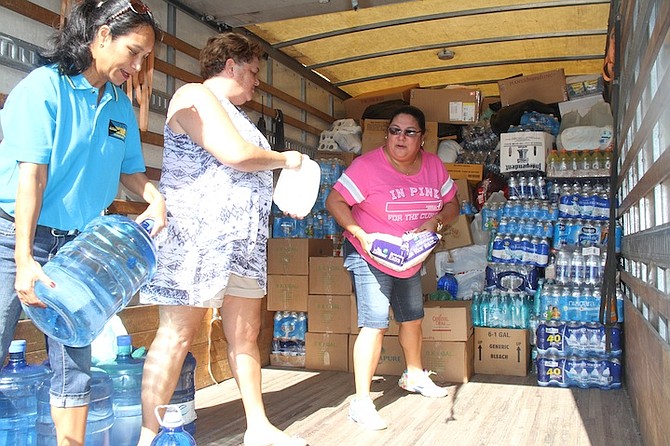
x: 440, y: 223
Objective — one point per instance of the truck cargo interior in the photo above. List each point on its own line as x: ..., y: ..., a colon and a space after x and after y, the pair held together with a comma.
x: 547, y: 105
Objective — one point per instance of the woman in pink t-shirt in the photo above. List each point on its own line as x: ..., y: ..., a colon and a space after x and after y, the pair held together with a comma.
x: 393, y: 189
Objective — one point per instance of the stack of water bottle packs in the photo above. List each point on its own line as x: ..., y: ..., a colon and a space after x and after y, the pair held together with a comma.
x: 115, y: 408
x: 288, y: 337
x: 318, y: 223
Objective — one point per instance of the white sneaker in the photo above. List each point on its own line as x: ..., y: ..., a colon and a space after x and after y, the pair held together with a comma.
x: 421, y: 383
x: 363, y: 412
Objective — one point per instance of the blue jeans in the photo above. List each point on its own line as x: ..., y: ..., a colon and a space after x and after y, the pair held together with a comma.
x: 71, y: 366
x: 376, y: 290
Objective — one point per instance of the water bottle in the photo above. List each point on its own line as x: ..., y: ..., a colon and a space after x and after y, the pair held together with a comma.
x: 172, y: 431
x: 577, y: 268
x: 297, y: 189
x: 184, y: 394
x: 448, y: 283
x: 96, y: 275
x: 18, y: 397
x: 476, y: 314
x: 100, y: 413
x: 126, y: 374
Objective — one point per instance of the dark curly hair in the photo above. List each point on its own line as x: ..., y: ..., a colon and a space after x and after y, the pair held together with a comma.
x: 221, y: 47
x: 412, y: 111
x: 69, y: 47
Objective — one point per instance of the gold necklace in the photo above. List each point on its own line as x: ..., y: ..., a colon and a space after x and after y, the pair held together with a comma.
x: 397, y: 166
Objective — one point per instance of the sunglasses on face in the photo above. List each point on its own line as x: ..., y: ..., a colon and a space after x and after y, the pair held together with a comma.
x: 135, y: 6
x: 410, y: 133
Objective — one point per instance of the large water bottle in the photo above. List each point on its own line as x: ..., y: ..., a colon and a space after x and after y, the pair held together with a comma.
x: 126, y: 374
x: 100, y: 413
x: 172, y: 431
x: 96, y: 275
x: 18, y: 397
x: 184, y: 394
x: 448, y: 283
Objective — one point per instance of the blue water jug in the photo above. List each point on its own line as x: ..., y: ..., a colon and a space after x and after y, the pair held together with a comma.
x: 100, y: 413
x: 184, y: 394
x: 96, y: 275
x: 18, y: 397
x: 126, y: 374
x: 448, y: 283
x: 172, y: 431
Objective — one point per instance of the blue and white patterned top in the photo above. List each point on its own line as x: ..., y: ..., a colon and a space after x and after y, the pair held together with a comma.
x: 217, y: 220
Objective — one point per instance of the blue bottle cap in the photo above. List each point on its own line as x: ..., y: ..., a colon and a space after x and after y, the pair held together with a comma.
x: 123, y: 341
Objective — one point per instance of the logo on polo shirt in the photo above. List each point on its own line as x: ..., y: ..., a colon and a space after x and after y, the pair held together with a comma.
x: 117, y: 130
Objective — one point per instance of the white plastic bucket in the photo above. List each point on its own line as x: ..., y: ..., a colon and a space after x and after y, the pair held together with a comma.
x: 297, y: 189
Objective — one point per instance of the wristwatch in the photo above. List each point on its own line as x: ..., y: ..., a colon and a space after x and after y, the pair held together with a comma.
x: 440, y: 224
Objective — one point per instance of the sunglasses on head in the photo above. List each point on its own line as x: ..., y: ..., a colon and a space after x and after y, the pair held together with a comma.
x: 410, y: 133
x: 136, y: 6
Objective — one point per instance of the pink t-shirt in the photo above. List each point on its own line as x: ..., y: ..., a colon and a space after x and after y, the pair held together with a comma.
x: 384, y: 200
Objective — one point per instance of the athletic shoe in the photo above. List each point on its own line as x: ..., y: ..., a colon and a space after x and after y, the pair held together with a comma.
x: 421, y: 383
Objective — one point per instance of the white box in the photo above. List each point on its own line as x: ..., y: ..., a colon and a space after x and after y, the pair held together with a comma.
x: 521, y: 151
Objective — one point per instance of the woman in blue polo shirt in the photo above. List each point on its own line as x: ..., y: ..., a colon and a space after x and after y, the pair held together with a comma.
x: 70, y: 136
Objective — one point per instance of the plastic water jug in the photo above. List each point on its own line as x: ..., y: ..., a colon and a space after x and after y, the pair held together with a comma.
x: 96, y: 275
x: 100, y: 413
x: 297, y: 189
x: 172, y: 431
x: 448, y: 283
x: 184, y: 394
x: 126, y: 374
x: 18, y: 397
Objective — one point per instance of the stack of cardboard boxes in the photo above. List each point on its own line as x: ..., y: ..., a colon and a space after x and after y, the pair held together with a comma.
x: 328, y: 308
x: 288, y: 281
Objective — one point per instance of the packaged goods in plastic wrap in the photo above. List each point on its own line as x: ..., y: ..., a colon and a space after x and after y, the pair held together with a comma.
x: 402, y: 253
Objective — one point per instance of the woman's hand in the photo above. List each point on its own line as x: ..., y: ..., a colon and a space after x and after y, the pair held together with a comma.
x: 293, y: 159
x: 156, y: 211
x: 27, y: 273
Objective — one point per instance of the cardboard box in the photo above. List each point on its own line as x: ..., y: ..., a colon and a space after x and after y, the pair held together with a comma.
x: 585, y: 85
x: 284, y: 360
x: 452, y: 361
x: 393, y: 328
x: 354, y: 107
x: 464, y: 190
x: 287, y: 293
x: 452, y: 105
x: 548, y: 87
x: 501, y: 351
x: 455, y: 235
x: 522, y: 151
x: 429, y: 275
x: 391, y: 360
x: 328, y: 276
x: 374, y: 134
x: 471, y: 172
x: 581, y: 105
x: 291, y: 255
x: 447, y: 320
x: 327, y: 351
x: 329, y: 313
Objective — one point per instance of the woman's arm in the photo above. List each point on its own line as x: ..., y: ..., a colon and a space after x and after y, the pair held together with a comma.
x: 32, y: 182
x: 341, y: 212
x: 139, y: 184
x: 195, y: 110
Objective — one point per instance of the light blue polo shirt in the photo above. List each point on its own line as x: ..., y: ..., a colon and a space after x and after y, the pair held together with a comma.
x: 56, y: 120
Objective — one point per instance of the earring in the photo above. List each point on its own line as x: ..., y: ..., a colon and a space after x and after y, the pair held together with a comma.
x: 422, y: 142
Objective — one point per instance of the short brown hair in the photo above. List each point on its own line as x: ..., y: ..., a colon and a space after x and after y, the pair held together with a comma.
x: 229, y: 45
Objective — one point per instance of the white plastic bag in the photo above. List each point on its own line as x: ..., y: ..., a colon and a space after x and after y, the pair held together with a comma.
x: 104, y: 348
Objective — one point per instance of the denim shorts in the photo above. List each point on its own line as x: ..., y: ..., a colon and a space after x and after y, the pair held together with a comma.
x: 376, y: 290
x: 71, y: 366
